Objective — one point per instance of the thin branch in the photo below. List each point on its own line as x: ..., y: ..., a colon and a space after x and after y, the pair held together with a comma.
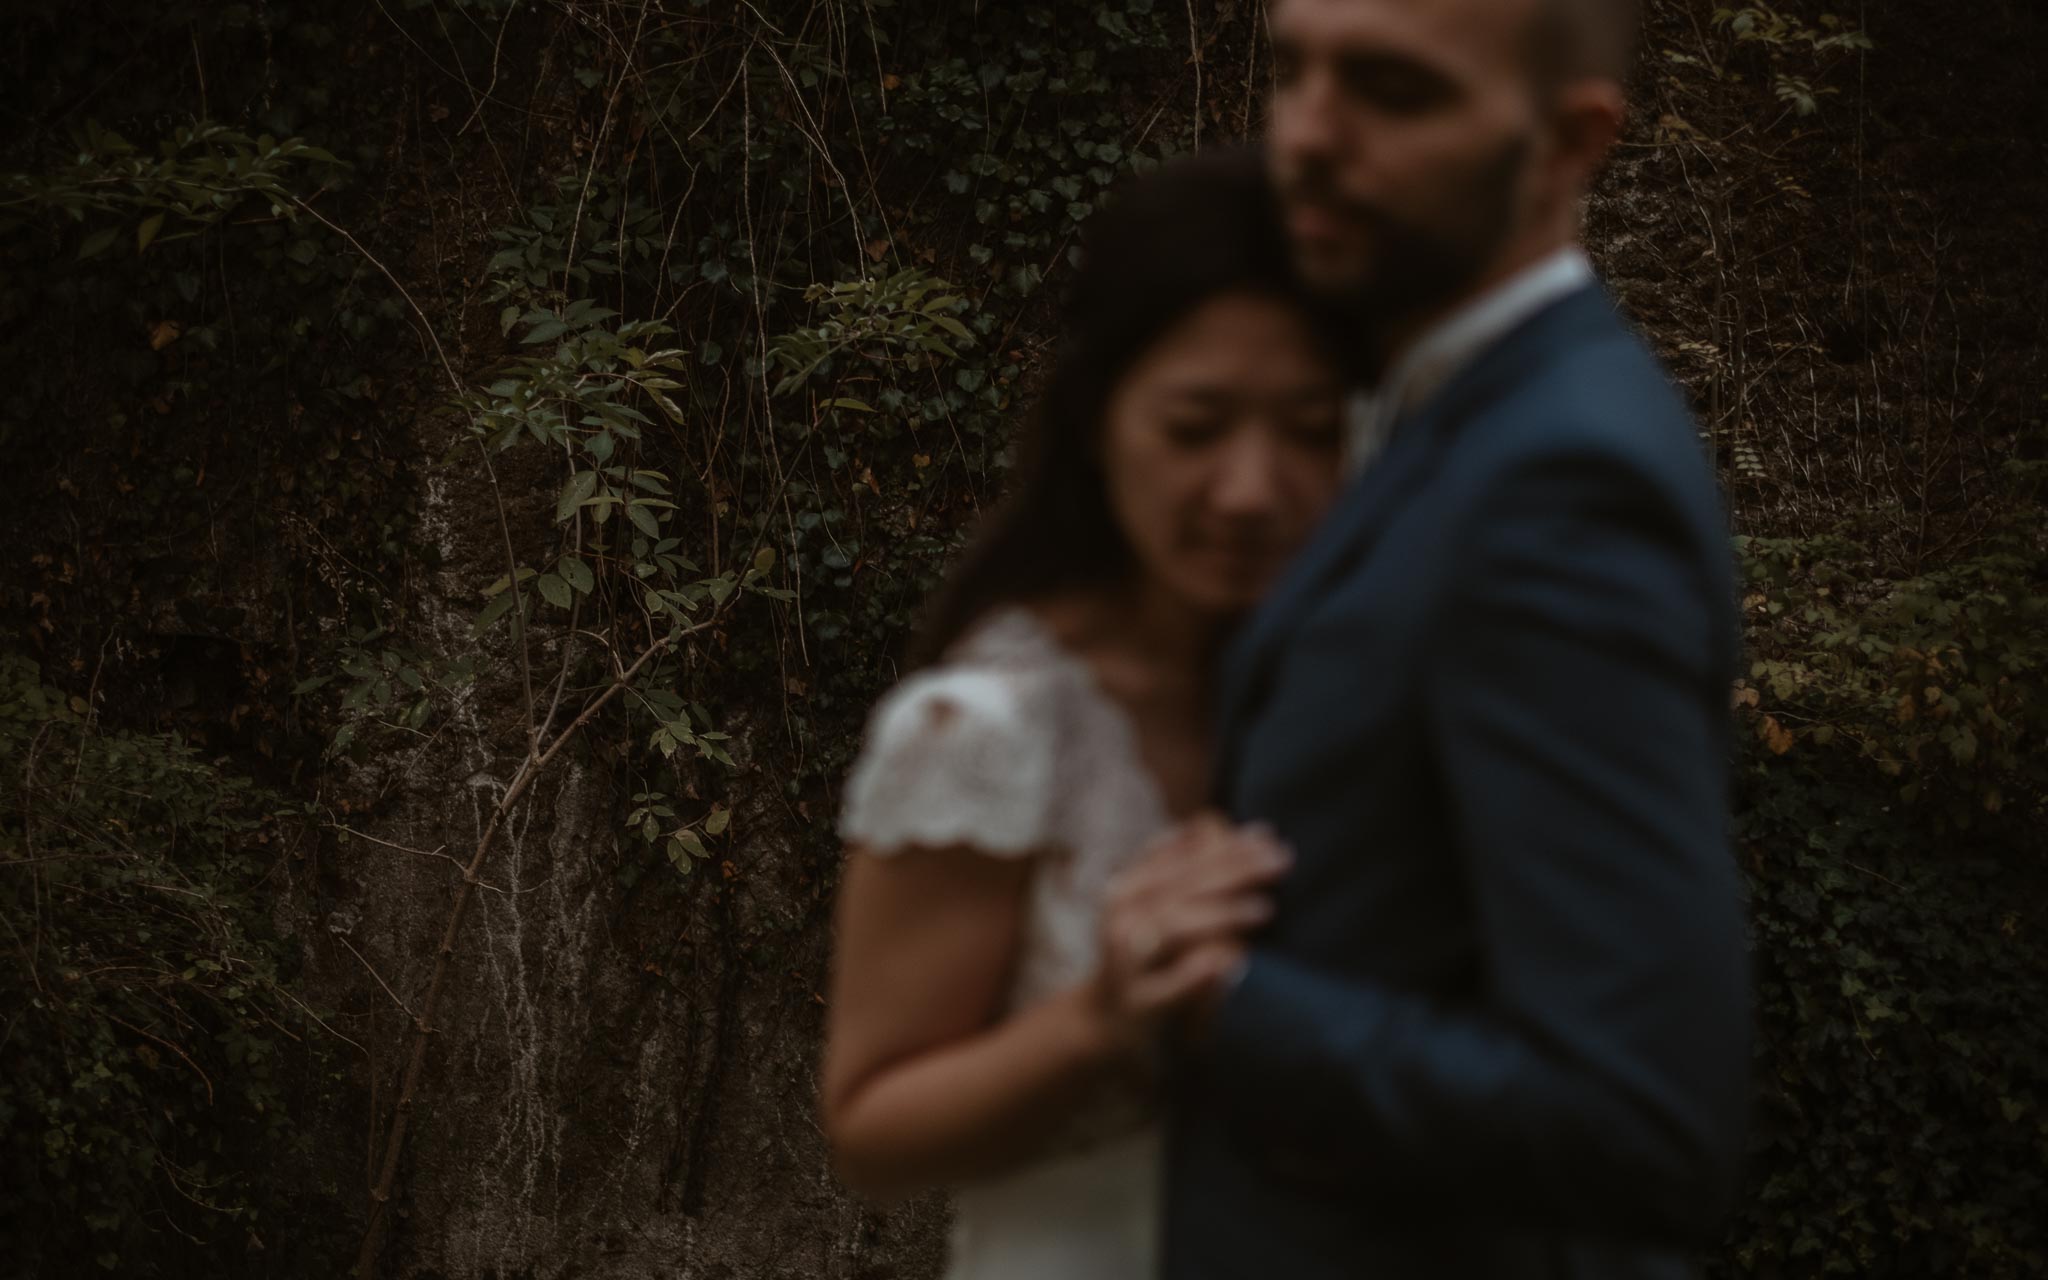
x: 182, y: 1055
x: 305, y: 1009
x: 448, y: 858
x: 342, y: 938
x: 447, y: 366
x: 518, y: 600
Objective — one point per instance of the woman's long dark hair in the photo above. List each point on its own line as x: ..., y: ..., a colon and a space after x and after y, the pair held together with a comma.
x: 1171, y: 240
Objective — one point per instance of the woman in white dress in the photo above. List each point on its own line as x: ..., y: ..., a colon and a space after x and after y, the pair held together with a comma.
x: 1008, y: 958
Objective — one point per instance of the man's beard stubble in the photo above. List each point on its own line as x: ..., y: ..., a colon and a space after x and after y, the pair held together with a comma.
x: 1412, y: 269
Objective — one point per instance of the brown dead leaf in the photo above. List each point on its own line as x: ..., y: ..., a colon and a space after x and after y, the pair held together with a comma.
x: 162, y: 334
x: 878, y: 248
x: 892, y: 82
x: 1745, y: 696
x: 1775, y: 736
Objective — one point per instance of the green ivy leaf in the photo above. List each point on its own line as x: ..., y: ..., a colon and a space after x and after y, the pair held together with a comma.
x: 577, y: 574
x: 574, y: 494
x: 493, y: 611
x: 97, y: 243
x: 555, y: 591
x: 687, y: 841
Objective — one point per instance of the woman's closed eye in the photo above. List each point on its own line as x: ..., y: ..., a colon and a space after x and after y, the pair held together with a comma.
x: 1322, y: 431
x: 1194, y: 432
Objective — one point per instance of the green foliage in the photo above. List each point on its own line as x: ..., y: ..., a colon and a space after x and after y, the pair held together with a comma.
x: 1902, y: 1124
x: 200, y: 174
x: 389, y: 685
x: 739, y: 376
x: 140, y: 1076
x: 1893, y: 794
x: 1938, y: 681
x: 653, y: 819
x: 1782, y: 35
x: 1784, y: 48
x: 905, y: 318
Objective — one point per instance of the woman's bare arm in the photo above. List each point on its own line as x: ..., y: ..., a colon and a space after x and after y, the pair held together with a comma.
x: 926, y: 1083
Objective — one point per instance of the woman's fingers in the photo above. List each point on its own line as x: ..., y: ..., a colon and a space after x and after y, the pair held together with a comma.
x: 1192, y: 976
x: 1202, y: 861
x: 1173, y: 925
x: 1184, y: 924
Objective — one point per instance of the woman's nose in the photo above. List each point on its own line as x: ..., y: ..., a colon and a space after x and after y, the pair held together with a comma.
x: 1247, y: 484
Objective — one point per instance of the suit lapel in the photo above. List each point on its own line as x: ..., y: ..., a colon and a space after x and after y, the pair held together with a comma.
x: 1380, y: 494
x: 1372, y: 500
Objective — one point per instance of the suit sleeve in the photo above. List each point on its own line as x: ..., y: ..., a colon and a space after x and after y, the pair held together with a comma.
x: 1576, y: 718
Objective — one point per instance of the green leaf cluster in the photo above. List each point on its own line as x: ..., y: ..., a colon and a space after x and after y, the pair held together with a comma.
x: 1893, y: 791
x: 145, y: 995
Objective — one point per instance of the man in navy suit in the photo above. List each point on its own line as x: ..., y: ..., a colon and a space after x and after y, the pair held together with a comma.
x: 1499, y: 1026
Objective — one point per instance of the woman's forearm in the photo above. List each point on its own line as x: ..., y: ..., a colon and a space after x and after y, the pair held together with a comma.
x: 977, y: 1106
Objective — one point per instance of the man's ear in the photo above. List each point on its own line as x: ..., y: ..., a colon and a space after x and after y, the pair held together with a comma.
x: 1587, y: 116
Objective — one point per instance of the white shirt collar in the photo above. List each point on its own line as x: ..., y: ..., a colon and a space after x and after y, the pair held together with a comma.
x: 1457, y: 340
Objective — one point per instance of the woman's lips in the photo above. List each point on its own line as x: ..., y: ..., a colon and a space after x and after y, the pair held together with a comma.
x: 1241, y: 563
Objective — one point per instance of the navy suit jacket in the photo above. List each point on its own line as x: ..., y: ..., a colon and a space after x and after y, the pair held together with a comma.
x: 1500, y: 1027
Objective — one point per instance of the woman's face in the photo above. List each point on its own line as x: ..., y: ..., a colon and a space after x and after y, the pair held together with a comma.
x: 1222, y: 448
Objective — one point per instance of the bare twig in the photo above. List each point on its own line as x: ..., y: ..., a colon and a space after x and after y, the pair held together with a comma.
x: 181, y: 1054
x: 518, y: 601
x: 449, y: 858
x: 395, y: 998
x: 305, y: 1009
x: 604, y: 129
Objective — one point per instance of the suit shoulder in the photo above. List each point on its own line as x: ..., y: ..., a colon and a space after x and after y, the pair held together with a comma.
x: 1608, y: 394
x: 1605, y: 406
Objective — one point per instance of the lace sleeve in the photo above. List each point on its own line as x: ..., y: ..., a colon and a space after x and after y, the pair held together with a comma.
x: 952, y: 758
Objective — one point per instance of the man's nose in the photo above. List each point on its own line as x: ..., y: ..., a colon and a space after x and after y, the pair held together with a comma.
x: 1304, y: 125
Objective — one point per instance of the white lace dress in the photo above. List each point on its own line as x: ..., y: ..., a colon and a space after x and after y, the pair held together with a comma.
x: 1011, y: 747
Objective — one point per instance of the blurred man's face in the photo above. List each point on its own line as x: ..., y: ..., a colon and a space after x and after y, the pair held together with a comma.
x: 1402, y: 134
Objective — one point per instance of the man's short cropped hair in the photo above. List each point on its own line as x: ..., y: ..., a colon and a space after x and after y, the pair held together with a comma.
x: 1577, y: 39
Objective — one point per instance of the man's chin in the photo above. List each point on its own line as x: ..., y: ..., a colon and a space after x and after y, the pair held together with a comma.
x: 1334, y: 274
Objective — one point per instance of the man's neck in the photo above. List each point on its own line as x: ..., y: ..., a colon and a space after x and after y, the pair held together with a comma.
x: 1400, y: 337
